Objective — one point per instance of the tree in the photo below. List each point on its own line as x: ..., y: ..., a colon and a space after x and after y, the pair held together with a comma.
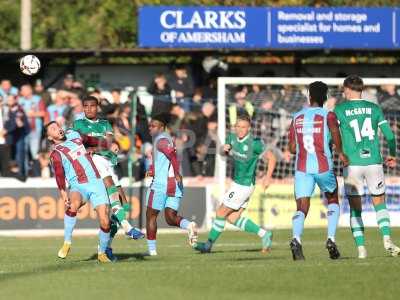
x: 99, y: 24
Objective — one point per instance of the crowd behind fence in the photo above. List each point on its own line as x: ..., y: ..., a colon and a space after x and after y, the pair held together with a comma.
x: 24, y: 110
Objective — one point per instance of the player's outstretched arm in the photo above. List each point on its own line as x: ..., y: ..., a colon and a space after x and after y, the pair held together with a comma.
x: 270, y: 157
x: 91, y: 141
x: 225, y: 149
x: 336, y: 138
x: 56, y: 162
x: 389, y: 136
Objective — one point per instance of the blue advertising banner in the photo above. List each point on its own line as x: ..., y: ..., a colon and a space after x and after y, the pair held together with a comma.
x: 269, y: 28
x: 202, y: 27
x: 334, y: 28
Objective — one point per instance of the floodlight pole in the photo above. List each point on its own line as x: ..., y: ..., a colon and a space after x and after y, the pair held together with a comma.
x: 26, y: 25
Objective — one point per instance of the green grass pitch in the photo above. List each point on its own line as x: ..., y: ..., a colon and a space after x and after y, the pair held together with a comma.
x: 29, y: 269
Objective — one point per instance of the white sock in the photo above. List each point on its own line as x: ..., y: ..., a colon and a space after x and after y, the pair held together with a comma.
x: 126, y: 226
x: 261, y: 232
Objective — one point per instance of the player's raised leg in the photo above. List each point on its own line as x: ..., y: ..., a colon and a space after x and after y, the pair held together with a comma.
x: 375, y: 180
x: 216, y: 229
x: 118, y: 211
x: 248, y: 225
x: 75, y: 201
x: 173, y: 219
x: 124, y: 201
x: 383, y: 220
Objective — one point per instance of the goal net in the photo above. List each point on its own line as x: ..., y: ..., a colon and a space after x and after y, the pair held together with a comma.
x: 271, y: 102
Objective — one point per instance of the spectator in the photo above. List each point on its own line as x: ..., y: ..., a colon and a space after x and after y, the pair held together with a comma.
x: 210, y: 90
x: 330, y: 103
x: 204, y: 162
x: 159, y: 87
x: 196, y: 123
x: 389, y: 98
x: 123, y: 122
x: 77, y: 86
x: 4, y: 147
x: 106, y: 109
x: 74, y: 110
x: 182, y: 87
x: 68, y: 83
x: 44, y: 161
x: 35, y: 110
x: 209, y: 112
x: 177, y: 117
x: 56, y: 111
x: 271, y: 127
x: 116, y: 102
x: 123, y: 129
x: 291, y: 99
x: 6, y: 89
x: 42, y: 93
x: 240, y: 106
x: 17, y: 129
x: 142, y: 126
x: 161, y: 92
x: 197, y: 99
x: 258, y: 94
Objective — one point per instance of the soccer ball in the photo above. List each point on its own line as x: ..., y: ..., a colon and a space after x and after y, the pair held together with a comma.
x: 29, y: 65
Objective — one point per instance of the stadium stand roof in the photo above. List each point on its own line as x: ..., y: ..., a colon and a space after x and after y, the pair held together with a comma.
x: 137, y: 52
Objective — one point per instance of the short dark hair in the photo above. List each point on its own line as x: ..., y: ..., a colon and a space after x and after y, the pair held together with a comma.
x: 179, y: 67
x: 159, y: 75
x: 354, y: 83
x: 47, y: 126
x: 244, y: 117
x: 90, y: 98
x: 116, y: 90
x: 318, y: 92
x: 163, y: 118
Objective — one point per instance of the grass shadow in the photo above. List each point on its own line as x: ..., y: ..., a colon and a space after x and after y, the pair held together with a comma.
x: 236, y: 251
x: 121, y: 256
x: 61, y: 265
x: 137, y: 256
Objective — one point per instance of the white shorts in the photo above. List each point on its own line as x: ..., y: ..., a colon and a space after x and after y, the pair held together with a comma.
x: 237, y: 196
x: 354, y: 177
x: 105, y: 168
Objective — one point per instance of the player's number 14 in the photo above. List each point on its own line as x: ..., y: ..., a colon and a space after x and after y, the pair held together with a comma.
x: 366, y: 129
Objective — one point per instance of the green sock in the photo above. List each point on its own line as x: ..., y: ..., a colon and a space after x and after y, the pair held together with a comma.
x: 357, y: 227
x: 249, y: 226
x: 217, y: 228
x: 383, y: 219
x: 127, y: 207
x: 116, y: 207
x: 113, y: 232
